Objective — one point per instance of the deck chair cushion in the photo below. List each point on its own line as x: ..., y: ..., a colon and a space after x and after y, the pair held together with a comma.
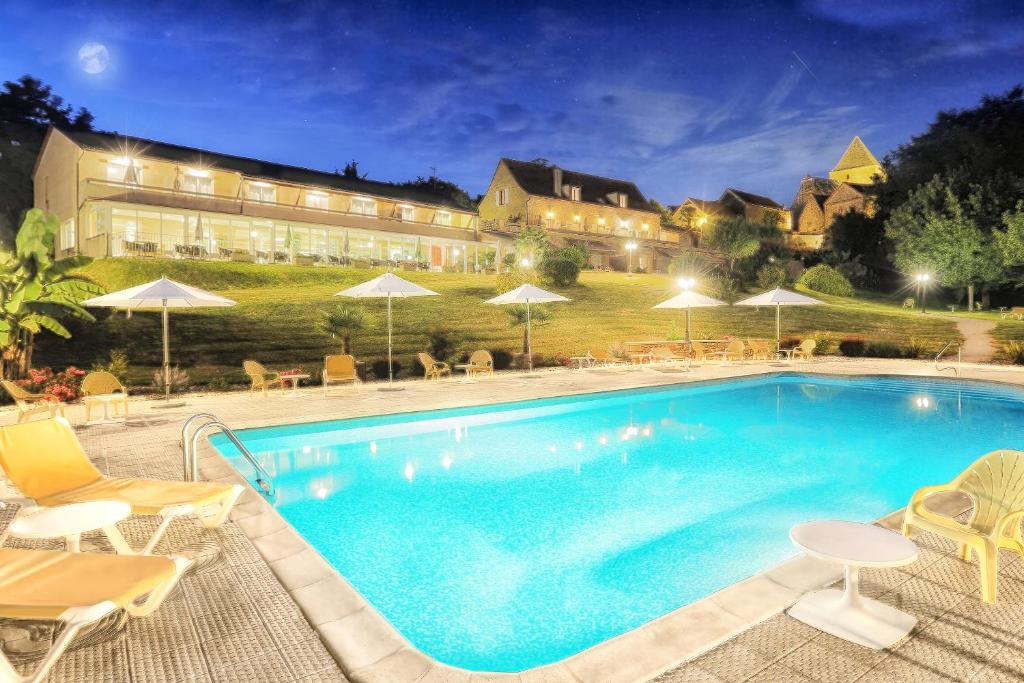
x: 146, y: 496
x: 43, y: 584
x: 44, y: 458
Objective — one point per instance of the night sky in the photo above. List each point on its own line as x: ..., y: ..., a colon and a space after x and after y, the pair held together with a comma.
x: 683, y: 98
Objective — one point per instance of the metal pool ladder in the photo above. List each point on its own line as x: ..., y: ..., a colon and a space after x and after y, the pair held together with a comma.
x: 954, y: 368
x: 190, y: 442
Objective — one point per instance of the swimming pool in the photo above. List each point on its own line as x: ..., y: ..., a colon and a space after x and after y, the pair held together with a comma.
x: 509, y: 536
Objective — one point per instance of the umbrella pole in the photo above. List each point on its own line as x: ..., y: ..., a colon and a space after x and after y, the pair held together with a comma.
x: 529, y: 337
x: 167, y: 352
x: 778, y: 327
x: 391, y: 374
x: 688, y: 323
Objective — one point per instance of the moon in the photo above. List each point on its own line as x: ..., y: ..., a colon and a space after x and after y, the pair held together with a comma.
x: 93, y: 58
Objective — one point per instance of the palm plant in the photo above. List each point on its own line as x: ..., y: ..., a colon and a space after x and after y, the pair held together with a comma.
x: 36, y: 292
x: 517, y: 316
x: 343, y: 321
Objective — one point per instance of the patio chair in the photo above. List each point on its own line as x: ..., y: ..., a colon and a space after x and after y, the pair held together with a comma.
x: 45, y: 461
x: 78, y: 589
x: 480, y: 363
x: 995, y: 485
x: 805, y: 350
x: 735, y: 350
x: 261, y: 378
x: 101, y: 383
x: 604, y: 358
x: 699, y: 351
x: 433, y: 369
x: 28, y: 404
x: 339, y: 369
x: 760, y: 349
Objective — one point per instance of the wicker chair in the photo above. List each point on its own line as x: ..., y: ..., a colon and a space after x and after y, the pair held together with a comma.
x: 433, y: 369
x: 97, y: 388
x: 480, y: 363
x: 261, y: 378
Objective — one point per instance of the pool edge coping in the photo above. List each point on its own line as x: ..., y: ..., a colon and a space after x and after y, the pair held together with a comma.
x: 369, y: 649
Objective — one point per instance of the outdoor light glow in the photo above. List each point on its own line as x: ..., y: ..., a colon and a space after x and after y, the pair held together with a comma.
x: 373, y: 447
x: 923, y: 277
x: 197, y: 172
x: 579, y: 445
x: 525, y: 263
x: 455, y: 251
x: 922, y: 402
x: 600, y: 221
x: 553, y: 448
x: 306, y: 449
x: 409, y: 472
x: 686, y: 283
x: 576, y: 218
x: 603, y: 440
x: 446, y: 462
x: 631, y: 245
x: 321, y: 492
x: 551, y: 214
x: 632, y: 430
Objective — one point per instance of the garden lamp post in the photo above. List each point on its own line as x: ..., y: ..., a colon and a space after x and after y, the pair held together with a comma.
x: 922, y: 287
x: 630, y: 248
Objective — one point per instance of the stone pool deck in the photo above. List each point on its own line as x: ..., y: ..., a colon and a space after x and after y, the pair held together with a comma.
x: 262, y: 607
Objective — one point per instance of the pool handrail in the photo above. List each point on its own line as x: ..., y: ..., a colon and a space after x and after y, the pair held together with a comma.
x: 189, y: 445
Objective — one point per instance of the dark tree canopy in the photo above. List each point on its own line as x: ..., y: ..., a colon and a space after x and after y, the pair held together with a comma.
x: 27, y: 107
x: 444, y: 188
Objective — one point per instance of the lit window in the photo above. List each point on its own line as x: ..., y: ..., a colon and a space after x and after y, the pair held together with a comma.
x: 117, y: 171
x: 623, y: 200
x: 502, y: 197
x: 443, y: 218
x: 67, y: 234
x: 364, y: 206
x: 406, y: 212
x: 262, y: 192
x: 575, y: 192
x: 316, y: 200
x: 197, y: 181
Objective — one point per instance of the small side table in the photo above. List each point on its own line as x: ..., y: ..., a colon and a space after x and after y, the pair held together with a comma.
x: 846, y: 613
x: 71, y: 521
x: 294, y: 379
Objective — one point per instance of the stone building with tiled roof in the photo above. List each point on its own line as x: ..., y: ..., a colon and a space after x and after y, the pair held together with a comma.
x: 696, y: 214
x: 573, y: 207
x: 819, y: 201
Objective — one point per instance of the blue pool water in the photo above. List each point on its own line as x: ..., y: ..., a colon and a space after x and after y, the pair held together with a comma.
x: 505, y: 537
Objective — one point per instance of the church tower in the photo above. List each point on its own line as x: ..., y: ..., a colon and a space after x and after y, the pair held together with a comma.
x: 857, y: 165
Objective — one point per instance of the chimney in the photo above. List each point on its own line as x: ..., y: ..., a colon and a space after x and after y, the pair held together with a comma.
x: 557, y: 173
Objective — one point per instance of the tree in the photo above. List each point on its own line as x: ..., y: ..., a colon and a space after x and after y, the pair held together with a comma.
x: 854, y: 236
x: 532, y: 244
x: 36, y: 293
x: 343, y: 321
x: 442, y: 188
x: 27, y: 107
x: 934, y: 231
x: 351, y: 171
x: 1010, y: 242
x: 734, y: 238
x: 561, y: 267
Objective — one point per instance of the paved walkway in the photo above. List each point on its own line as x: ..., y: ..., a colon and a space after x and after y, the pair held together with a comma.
x: 978, y: 345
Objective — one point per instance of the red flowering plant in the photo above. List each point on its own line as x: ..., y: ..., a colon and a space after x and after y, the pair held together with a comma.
x: 65, y: 386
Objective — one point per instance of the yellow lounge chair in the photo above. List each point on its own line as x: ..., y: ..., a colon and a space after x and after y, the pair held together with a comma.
x: 29, y: 404
x: 78, y: 589
x: 261, y: 378
x: 480, y: 363
x: 995, y: 485
x: 103, y: 384
x: 663, y: 354
x: 339, y: 369
x: 45, y: 460
x: 433, y: 369
x: 604, y: 358
x: 805, y: 350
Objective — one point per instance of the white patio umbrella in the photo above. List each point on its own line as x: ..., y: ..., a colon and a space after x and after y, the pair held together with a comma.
x: 387, y: 285
x: 163, y: 294
x: 690, y: 299
x: 778, y: 298
x: 527, y: 294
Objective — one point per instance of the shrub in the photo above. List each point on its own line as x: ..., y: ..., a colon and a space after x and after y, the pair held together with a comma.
x: 883, y: 349
x: 562, y: 267
x: 852, y: 347
x: 722, y: 287
x: 790, y: 342
x: 560, y: 359
x: 64, y: 386
x: 502, y: 359
x: 118, y: 365
x: 506, y: 282
x: 826, y: 343
x: 441, y: 343
x: 520, y: 361
x: 916, y: 348
x: 771, y: 276
x: 827, y: 280
x: 379, y: 368
x: 1014, y: 352
x: 178, y: 380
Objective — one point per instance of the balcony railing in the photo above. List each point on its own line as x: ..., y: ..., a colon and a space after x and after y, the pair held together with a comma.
x: 516, y: 226
x: 97, y: 188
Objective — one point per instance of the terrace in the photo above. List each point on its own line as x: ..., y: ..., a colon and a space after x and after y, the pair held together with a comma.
x: 262, y: 606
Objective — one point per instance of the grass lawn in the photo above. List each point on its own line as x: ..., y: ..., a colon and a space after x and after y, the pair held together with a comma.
x: 275, y: 320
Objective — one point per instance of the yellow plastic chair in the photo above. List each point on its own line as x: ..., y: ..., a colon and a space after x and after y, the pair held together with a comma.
x: 700, y: 352
x: 433, y: 369
x: 735, y: 350
x: 805, y: 350
x: 78, y: 589
x: 760, y: 349
x: 103, y: 384
x: 480, y: 363
x: 995, y: 485
x: 261, y: 378
x: 30, y: 404
x: 339, y: 369
x: 45, y: 461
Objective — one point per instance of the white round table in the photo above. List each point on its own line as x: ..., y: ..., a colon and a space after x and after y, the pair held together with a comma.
x: 294, y: 379
x: 846, y: 613
x: 71, y: 521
